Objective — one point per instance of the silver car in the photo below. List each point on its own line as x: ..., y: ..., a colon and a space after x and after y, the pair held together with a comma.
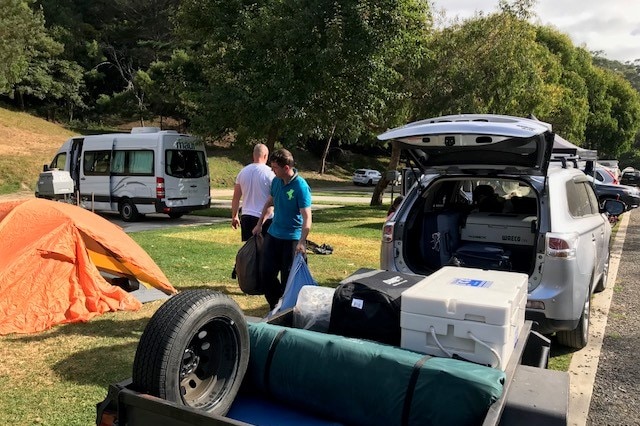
x: 488, y: 199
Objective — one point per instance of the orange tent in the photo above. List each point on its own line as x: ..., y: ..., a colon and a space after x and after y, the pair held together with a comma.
x: 47, y: 275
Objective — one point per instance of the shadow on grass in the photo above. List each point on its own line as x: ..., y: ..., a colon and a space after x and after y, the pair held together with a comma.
x: 558, y: 350
x: 97, y: 327
x: 348, y: 213
x: 98, y: 366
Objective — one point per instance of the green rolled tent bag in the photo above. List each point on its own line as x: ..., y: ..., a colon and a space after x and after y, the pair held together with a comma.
x: 359, y: 382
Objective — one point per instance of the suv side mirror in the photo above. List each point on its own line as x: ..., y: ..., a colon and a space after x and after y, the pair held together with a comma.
x: 613, y: 207
x: 45, y: 168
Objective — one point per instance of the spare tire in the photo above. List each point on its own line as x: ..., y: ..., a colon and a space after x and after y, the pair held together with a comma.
x: 194, y: 351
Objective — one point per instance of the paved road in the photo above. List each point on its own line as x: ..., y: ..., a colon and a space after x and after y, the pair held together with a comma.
x: 616, y: 387
x: 585, y: 362
x: 219, y: 198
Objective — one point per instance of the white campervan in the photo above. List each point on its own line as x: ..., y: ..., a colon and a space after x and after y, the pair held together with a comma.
x: 145, y: 171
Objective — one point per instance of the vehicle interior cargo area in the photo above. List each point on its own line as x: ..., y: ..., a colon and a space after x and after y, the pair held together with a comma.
x: 504, y: 228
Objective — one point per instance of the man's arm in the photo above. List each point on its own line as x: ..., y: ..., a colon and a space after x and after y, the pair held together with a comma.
x: 235, y: 206
x: 268, y: 207
x: 306, y: 227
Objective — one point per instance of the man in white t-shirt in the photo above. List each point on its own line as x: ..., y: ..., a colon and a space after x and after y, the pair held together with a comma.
x: 253, y: 185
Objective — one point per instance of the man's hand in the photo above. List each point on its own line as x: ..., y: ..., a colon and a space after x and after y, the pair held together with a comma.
x: 257, y: 229
x: 235, y: 222
x: 301, y: 247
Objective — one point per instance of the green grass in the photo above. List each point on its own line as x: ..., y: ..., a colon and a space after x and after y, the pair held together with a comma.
x: 560, y: 357
x: 56, y: 377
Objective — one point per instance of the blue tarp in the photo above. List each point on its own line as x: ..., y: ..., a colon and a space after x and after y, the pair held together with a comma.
x: 298, y: 277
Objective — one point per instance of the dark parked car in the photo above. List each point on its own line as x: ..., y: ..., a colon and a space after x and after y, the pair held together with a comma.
x: 629, y: 195
x: 631, y: 178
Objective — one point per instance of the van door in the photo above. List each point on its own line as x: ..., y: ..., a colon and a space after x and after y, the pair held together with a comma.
x: 186, y: 174
x: 95, y: 173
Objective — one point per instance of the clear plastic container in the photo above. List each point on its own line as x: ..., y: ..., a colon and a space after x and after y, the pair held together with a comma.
x: 313, y: 308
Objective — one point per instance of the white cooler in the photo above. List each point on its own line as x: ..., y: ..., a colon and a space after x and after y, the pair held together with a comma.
x: 475, y: 314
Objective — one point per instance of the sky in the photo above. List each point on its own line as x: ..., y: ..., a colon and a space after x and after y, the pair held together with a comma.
x: 612, y: 26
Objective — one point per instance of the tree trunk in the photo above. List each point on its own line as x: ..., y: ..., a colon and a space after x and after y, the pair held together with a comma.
x: 21, y: 100
x: 271, y: 137
x: 378, y: 192
x: 325, y: 153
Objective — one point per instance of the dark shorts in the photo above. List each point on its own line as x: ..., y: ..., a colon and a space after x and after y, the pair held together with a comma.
x: 247, y: 223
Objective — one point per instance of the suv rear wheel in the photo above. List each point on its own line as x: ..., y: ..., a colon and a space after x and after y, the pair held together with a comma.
x: 602, y: 284
x: 578, y: 337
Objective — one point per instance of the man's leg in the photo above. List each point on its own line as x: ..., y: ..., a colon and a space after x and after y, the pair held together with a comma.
x: 287, y: 252
x: 269, y: 268
x: 247, y: 223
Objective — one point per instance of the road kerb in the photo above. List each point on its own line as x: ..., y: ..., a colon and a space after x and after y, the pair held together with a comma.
x: 584, y: 363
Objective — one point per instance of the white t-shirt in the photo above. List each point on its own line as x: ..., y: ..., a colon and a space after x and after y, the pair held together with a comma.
x: 255, y: 183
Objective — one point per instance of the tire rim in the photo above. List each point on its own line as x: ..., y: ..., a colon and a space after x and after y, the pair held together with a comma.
x: 126, y: 211
x: 585, y: 319
x: 605, y: 274
x: 209, y: 364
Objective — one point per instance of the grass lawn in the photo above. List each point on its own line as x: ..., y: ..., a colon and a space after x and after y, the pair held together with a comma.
x: 56, y: 377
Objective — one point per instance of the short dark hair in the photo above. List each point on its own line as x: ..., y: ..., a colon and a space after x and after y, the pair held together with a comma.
x: 282, y: 158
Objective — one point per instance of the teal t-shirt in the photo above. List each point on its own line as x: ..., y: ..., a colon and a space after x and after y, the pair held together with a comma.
x: 287, y: 201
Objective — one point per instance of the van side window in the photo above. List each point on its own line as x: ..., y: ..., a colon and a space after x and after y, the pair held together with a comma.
x: 132, y: 162
x: 183, y: 163
x: 96, y: 162
x: 59, y: 162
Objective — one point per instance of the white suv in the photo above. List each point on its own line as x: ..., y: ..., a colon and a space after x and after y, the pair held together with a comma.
x: 487, y: 198
x: 366, y: 177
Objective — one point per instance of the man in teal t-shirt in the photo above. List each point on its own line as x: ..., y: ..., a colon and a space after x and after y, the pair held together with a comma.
x: 287, y: 235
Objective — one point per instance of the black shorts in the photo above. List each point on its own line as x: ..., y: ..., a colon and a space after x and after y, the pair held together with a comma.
x: 247, y: 223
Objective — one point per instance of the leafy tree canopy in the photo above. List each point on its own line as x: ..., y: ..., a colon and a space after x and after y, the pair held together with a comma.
x: 290, y: 68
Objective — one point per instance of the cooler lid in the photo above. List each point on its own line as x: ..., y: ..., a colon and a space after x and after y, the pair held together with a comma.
x: 489, y: 297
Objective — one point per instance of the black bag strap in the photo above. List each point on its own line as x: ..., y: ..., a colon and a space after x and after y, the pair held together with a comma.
x: 411, y: 387
x: 270, y: 355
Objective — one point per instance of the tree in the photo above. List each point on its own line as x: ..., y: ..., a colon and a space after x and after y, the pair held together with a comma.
x: 614, y: 113
x: 20, y: 30
x: 570, y: 113
x: 113, y: 41
x: 489, y: 64
x: 293, y: 69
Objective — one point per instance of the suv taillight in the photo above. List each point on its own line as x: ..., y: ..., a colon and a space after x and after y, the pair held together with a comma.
x: 160, y: 188
x: 562, y: 245
x: 387, y: 232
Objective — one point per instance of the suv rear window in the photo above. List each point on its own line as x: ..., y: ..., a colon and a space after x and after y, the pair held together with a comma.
x: 582, y: 201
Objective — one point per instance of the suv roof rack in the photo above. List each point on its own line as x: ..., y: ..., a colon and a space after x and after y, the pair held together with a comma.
x: 565, y: 159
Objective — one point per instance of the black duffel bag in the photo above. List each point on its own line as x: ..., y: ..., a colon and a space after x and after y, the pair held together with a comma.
x: 247, y: 268
x: 367, y: 305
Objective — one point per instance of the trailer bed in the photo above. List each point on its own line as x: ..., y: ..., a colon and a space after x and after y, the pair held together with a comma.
x: 532, y: 395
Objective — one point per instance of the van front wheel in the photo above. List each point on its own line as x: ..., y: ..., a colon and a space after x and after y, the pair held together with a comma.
x: 128, y: 211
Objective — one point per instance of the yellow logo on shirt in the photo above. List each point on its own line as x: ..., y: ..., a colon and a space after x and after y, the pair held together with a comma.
x: 290, y: 194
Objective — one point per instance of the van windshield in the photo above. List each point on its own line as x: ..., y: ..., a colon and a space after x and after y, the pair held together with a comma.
x: 185, y: 163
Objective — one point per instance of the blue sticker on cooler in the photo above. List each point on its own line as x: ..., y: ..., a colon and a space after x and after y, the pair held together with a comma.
x: 470, y: 282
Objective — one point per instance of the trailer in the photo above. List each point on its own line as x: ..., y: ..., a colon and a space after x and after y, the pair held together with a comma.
x: 531, y: 394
